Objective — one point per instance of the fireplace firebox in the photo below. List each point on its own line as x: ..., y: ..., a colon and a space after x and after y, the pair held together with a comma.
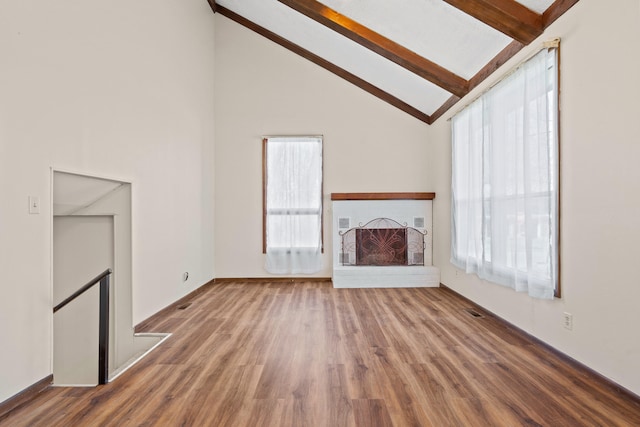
x: 383, y: 242
x: 394, y: 250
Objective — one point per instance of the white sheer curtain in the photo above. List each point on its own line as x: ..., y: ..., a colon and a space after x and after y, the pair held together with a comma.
x: 293, y: 205
x: 505, y: 181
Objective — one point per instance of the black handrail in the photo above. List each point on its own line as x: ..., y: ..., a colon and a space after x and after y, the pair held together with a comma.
x: 83, y: 289
x: 103, y: 327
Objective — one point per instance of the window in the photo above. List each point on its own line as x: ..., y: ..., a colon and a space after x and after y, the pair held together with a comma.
x: 505, y: 181
x: 292, y: 230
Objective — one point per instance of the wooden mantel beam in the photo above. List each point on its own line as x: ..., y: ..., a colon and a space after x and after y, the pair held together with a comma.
x: 382, y: 196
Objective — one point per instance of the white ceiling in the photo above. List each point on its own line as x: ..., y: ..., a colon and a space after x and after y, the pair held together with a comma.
x: 433, y: 29
x: 73, y: 192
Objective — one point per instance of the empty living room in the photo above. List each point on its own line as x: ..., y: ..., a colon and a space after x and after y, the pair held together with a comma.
x: 319, y: 213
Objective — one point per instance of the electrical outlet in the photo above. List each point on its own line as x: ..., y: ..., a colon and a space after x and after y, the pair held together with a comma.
x: 567, y: 321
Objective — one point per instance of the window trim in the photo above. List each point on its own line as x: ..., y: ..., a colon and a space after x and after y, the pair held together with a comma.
x: 264, y: 189
x: 264, y: 195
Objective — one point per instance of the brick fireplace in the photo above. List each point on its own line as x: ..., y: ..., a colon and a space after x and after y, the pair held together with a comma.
x: 383, y: 240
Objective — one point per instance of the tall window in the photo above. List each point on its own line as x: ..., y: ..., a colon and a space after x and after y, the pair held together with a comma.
x: 292, y: 201
x: 505, y: 181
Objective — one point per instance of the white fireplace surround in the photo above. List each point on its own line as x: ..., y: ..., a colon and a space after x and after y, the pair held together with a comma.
x: 355, y: 210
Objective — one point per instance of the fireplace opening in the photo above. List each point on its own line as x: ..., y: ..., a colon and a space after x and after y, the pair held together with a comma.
x: 383, y: 242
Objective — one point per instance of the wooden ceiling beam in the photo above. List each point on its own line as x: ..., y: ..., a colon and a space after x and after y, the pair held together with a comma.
x: 508, y: 13
x: 498, y: 61
x: 507, y: 16
x: 383, y: 46
x: 556, y: 10
x: 351, y: 78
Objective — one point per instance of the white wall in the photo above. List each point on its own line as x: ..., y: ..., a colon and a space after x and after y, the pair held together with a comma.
x: 118, y: 89
x: 600, y: 208
x: 263, y: 89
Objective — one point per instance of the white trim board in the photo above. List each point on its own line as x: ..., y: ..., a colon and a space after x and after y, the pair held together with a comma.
x: 386, y: 277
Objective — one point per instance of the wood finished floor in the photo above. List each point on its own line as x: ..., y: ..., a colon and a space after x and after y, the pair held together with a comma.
x: 305, y: 354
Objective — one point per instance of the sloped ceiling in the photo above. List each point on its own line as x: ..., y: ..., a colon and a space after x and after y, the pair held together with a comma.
x: 73, y: 192
x: 421, y: 56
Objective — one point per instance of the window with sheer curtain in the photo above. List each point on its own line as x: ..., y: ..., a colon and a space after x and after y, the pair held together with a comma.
x: 292, y: 239
x: 505, y: 181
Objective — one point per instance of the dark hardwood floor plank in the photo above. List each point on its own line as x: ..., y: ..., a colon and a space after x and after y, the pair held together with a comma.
x: 301, y: 353
x: 437, y: 399
x: 371, y: 413
x: 339, y: 402
x: 363, y: 383
x: 399, y: 400
x: 481, y: 412
x: 453, y: 375
x: 369, y: 323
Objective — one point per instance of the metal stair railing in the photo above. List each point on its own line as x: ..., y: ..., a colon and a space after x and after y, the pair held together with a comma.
x: 103, y: 327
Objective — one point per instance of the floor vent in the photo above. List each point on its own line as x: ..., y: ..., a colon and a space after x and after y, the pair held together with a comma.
x: 184, y: 306
x: 474, y: 313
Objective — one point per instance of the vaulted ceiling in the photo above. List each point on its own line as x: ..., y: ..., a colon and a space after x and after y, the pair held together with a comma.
x: 421, y: 56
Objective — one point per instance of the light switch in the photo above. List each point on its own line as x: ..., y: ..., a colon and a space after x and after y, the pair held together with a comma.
x: 34, y: 205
